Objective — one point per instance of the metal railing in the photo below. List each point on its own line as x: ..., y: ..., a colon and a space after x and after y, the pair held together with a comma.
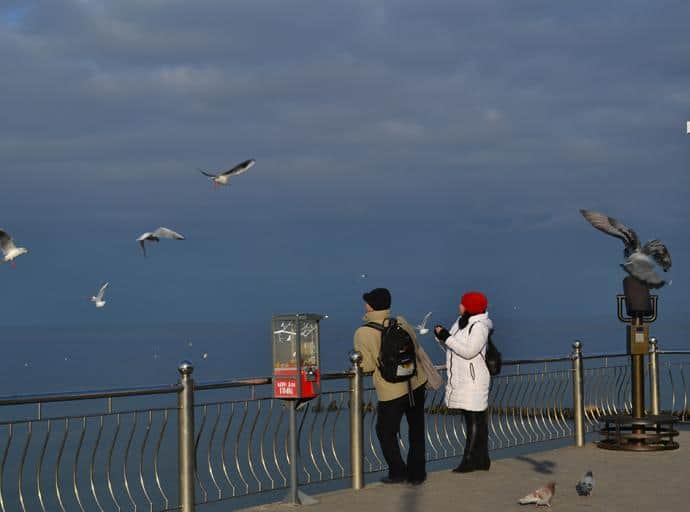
x: 179, y: 446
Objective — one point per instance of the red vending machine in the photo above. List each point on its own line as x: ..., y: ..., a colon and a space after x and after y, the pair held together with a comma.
x: 296, y: 356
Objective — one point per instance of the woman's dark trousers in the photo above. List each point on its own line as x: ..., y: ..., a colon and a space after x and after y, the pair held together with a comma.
x: 390, y: 415
x: 476, y: 455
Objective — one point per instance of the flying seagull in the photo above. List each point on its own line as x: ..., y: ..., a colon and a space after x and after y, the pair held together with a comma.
x: 640, y: 259
x: 156, y: 236
x: 9, y: 250
x: 223, y: 178
x: 98, y: 299
x: 422, y: 328
x: 585, y: 485
x: 540, y: 497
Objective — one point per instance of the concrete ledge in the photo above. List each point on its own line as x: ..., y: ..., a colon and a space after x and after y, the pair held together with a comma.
x: 624, y: 481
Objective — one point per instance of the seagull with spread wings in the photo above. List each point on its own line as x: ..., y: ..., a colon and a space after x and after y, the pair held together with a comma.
x: 640, y: 260
x: 156, y: 235
x: 223, y: 178
x: 9, y: 250
x: 422, y: 329
x: 98, y: 298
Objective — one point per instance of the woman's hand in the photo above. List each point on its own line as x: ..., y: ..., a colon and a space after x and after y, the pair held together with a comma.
x: 441, y: 333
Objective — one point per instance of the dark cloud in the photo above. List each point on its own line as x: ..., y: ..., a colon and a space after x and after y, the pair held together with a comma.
x: 449, y: 118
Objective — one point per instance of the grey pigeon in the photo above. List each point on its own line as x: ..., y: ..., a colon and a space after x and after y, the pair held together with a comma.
x: 223, y: 178
x: 156, y: 235
x: 640, y: 259
x: 585, y: 485
x: 540, y: 497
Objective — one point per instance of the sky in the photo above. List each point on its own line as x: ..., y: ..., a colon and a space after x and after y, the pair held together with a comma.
x: 436, y: 147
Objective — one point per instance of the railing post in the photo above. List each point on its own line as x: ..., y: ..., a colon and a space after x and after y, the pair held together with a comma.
x: 654, y: 375
x: 185, y: 436
x: 356, y: 422
x: 578, y: 394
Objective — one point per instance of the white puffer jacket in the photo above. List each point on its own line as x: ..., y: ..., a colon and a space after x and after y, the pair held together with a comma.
x: 468, y: 380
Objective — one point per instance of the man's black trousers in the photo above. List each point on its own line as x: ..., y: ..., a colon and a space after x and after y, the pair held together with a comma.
x: 390, y: 415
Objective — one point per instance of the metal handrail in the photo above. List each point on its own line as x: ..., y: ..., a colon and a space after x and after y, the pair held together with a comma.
x: 85, y: 459
x: 88, y: 395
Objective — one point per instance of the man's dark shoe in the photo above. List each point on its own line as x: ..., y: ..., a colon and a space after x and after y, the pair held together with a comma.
x: 484, y: 466
x: 464, y: 467
x: 417, y: 482
x: 396, y: 480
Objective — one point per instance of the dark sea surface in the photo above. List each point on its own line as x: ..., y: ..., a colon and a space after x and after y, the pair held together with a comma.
x: 64, y: 358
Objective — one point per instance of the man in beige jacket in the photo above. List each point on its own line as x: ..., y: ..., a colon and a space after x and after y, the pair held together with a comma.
x: 393, y: 399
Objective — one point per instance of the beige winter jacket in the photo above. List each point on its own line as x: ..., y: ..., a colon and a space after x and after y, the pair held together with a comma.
x: 368, y: 342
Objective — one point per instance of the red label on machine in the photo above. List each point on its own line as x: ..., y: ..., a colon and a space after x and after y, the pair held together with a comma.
x: 285, y: 383
x: 285, y: 388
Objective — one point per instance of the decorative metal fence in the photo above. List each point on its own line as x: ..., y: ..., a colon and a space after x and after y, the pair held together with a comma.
x: 134, y: 450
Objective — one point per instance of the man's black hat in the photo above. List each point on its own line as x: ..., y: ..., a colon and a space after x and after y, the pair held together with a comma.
x: 378, y: 298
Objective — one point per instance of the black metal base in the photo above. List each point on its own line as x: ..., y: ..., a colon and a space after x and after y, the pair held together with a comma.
x: 648, y: 434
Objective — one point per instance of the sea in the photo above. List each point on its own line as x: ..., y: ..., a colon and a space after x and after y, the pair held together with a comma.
x: 41, y: 359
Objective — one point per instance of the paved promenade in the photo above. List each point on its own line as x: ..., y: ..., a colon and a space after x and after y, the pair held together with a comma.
x: 624, y: 481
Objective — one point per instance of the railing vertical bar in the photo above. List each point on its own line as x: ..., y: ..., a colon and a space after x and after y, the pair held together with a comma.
x: 57, y: 466
x: 142, y: 453
x: 92, y: 482
x: 75, y: 466
x: 20, y: 471
x: 125, y: 478
x: 109, y: 466
x: 39, y: 466
x: 224, y: 447
x: 155, y: 459
x: 210, y: 450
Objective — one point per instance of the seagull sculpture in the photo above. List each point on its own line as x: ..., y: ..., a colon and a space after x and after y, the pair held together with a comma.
x: 156, y: 235
x: 98, y: 298
x: 422, y: 328
x: 223, y: 178
x: 9, y: 250
x: 640, y: 260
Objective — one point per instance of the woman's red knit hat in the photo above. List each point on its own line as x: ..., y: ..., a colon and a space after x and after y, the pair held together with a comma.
x: 474, y: 302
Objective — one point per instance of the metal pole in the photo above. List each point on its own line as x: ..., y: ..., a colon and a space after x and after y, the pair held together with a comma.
x: 185, y: 436
x: 578, y: 394
x: 654, y: 376
x: 293, y: 497
x: 637, y: 361
x: 356, y: 423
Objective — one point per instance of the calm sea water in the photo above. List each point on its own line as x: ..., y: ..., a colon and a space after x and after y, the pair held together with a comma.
x: 43, y: 359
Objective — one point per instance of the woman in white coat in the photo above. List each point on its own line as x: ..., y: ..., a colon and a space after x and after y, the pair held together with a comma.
x: 467, y: 388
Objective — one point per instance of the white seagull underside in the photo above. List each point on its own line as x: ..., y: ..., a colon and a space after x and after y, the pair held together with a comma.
x: 98, y: 298
x: 9, y: 250
x: 156, y: 235
x: 223, y: 178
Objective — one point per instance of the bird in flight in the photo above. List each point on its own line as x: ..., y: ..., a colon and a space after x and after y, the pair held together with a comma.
x: 640, y: 260
x: 9, y: 250
x: 98, y: 298
x: 422, y: 328
x: 156, y: 235
x: 223, y: 178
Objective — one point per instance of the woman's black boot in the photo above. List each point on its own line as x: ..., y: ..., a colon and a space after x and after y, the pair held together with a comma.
x: 468, y: 459
x: 483, y: 462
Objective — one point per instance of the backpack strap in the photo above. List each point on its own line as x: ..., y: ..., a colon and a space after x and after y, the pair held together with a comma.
x: 374, y: 325
x: 488, y: 339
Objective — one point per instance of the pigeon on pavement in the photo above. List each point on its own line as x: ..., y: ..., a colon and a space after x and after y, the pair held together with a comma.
x: 540, y: 497
x: 585, y: 485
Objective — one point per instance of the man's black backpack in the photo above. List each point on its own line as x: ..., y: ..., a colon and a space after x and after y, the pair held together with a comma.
x: 397, y: 359
x: 493, y: 358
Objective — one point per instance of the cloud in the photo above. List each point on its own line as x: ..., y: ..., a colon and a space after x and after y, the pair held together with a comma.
x: 456, y: 117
